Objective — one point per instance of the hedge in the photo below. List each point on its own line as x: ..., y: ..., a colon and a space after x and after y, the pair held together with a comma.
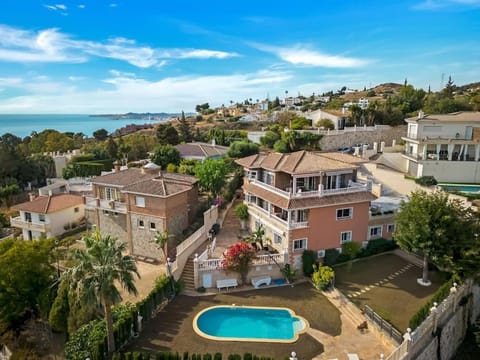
x: 309, y: 257
x: 167, y: 355
x: 426, y: 181
x: 422, y: 313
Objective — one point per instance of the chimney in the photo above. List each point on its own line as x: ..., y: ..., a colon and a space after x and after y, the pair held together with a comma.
x: 421, y: 114
x: 31, y: 196
x: 116, y: 166
x: 213, y: 142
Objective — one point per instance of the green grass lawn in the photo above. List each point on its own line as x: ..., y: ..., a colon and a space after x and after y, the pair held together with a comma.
x: 172, y: 328
x: 397, y: 299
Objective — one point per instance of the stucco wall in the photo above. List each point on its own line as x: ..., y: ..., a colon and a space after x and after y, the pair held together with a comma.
x: 58, y: 220
x: 453, y: 171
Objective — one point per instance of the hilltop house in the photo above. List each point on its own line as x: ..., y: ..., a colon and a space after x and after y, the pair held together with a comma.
x: 201, y: 151
x: 134, y: 204
x: 307, y: 200
x: 445, y: 146
x: 48, y: 215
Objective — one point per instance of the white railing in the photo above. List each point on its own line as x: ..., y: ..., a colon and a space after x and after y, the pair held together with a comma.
x: 269, y: 259
x: 210, y: 264
x: 18, y: 222
x: 298, y: 225
x: 190, y: 240
x: 104, y: 204
x: 400, y: 352
x: 203, y: 255
x: 276, y: 190
x: 353, y: 187
x: 309, y: 193
x: 213, y: 245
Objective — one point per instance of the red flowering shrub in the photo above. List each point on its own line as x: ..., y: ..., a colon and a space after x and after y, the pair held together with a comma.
x: 238, y: 257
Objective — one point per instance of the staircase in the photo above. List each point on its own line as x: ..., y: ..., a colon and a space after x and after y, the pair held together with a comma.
x: 188, y: 275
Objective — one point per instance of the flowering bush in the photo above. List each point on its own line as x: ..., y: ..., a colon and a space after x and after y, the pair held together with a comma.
x: 238, y: 257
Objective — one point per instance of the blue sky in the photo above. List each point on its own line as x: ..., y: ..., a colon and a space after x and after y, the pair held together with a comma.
x: 95, y: 56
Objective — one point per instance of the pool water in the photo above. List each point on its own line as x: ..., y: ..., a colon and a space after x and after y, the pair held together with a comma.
x: 239, y: 323
x: 461, y: 188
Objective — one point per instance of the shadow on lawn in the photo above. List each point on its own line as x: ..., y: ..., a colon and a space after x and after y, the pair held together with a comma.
x: 172, y: 329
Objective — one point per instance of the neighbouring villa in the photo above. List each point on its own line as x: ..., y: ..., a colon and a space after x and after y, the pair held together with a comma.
x: 308, y: 200
x: 201, y: 151
x: 445, y: 146
x: 137, y: 203
x: 48, y: 215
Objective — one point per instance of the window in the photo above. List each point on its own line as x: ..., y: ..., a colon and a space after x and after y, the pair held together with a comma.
x: 345, y: 213
x: 111, y: 194
x: 390, y: 228
x: 277, y: 239
x: 321, y: 253
x: 141, y: 224
x: 76, y: 209
x: 375, y: 231
x: 106, y: 213
x: 345, y: 236
x: 140, y: 201
x: 301, y: 216
x: 41, y: 217
x: 300, y: 244
x: 251, y: 174
x: 153, y: 226
x: 267, y: 177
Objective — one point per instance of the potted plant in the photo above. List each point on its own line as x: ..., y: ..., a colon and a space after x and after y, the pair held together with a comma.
x: 242, y: 213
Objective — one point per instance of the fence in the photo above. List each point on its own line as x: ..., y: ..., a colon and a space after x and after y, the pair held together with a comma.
x: 384, y: 325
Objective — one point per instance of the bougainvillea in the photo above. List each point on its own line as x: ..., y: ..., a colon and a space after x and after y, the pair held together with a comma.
x: 238, y: 257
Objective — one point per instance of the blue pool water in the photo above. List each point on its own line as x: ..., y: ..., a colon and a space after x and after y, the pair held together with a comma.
x: 249, y: 323
x: 461, y: 188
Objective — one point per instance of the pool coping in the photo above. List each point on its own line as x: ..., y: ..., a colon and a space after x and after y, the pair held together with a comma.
x: 218, y: 338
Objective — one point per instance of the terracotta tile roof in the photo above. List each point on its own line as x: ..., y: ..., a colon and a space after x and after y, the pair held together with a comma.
x: 50, y: 204
x: 346, y: 158
x: 199, y: 149
x: 300, y: 162
x: 307, y: 203
x: 124, y: 177
x: 158, y: 186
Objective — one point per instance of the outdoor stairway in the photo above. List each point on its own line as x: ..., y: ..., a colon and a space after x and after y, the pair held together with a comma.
x: 347, y: 308
x: 188, y: 275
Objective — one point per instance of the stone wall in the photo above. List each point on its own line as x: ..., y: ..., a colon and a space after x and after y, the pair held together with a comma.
x: 113, y: 225
x: 339, y: 139
x: 143, y: 238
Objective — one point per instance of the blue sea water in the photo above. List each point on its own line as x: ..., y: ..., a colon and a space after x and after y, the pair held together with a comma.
x: 23, y: 125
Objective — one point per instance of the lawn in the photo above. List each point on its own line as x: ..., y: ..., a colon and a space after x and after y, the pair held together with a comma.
x: 172, y: 328
x: 396, y: 299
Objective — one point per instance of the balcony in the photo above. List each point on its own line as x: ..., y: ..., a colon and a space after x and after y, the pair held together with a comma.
x: 351, y: 188
x: 274, y: 219
x: 103, y: 204
x: 18, y: 222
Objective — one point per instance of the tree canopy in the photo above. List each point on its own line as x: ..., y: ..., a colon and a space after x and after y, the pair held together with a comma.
x: 239, y: 149
x: 440, y: 229
x: 167, y: 134
x: 211, y: 175
x: 164, y: 155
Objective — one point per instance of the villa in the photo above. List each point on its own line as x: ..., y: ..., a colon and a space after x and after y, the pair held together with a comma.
x: 445, y: 146
x: 201, y: 151
x: 137, y: 203
x: 307, y: 200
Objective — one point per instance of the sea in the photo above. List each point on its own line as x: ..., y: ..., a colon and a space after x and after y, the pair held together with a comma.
x: 23, y: 125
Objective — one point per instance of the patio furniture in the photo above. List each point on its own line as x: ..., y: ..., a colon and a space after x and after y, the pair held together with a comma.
x: 226, y: 283
x: 261, y: 280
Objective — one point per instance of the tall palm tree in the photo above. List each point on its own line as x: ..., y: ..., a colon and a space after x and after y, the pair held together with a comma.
x: 99, y: 269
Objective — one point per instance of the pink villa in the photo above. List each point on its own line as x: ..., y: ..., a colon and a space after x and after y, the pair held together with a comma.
x: 309, y: 200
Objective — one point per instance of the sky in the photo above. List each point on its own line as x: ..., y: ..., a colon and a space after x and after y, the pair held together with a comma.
x: 96, y: 56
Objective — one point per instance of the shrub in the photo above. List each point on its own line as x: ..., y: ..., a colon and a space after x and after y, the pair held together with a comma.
x: 426, y: 181
x: 351, y: 249
x: 322, y: 276
x: 331, y: 256
x: 308, y: 259
x: 343, y: 258
x: 377, y: 246
x: 218, y: 356
x: 241, y: 210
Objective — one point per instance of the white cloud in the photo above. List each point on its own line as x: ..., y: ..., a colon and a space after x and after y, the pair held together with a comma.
x: 51, y: 45
x: 302, y: 55
x: 81, y: 6
x: 126, y: 92
x: 76, y: 78
x: 60, y: 8
x: 113, y: 5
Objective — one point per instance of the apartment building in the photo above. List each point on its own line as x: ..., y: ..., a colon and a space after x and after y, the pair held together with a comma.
x: 137, y: 203
x: 445, y: 146
x: 307, y: 200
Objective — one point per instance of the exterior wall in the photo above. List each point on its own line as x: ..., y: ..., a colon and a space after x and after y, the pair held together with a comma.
x: 283, y: 180
x: 114, y: 225
x: 452, y: 171
x: 58, y: 220
x: 324, y: 229
x: 143, y: 238
x: 443, y: 130
x: 272, y: 226
x: 192, y: 203
x: 384, y: 221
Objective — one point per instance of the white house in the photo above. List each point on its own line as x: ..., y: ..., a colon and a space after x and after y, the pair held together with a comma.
x: 49, y: 216
x: 445, y: 146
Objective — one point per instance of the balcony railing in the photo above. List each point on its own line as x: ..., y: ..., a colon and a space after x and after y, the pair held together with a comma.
x: 104, y: 204
x: 352, y: 187
x: 18, y: 222
x: 275, y: 220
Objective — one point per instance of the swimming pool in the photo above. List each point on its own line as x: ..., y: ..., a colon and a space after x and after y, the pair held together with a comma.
x: 461, y: 188
x: 249, y: 323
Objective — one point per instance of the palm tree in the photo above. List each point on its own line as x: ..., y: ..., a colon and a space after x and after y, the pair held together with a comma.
x: 98, y: 270
x: 161, y: 239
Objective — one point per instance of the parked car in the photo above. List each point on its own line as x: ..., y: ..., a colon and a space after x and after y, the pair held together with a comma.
x: 345, y: 150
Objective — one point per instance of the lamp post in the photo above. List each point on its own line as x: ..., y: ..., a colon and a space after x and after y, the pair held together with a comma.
x: 293, y: 356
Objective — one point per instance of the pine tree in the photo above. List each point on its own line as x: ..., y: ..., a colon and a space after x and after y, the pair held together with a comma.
x: 184, y: 129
